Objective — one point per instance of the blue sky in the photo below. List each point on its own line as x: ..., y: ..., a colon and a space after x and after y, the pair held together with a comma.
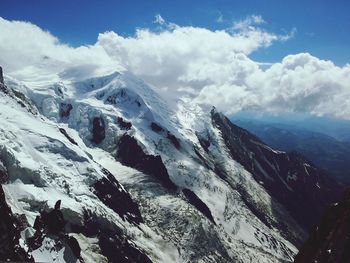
x: 208, y: 51
x: 323, y: 27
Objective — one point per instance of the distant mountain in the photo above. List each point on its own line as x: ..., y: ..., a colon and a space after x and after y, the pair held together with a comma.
x: 336, y: 128
x: 324, y: 151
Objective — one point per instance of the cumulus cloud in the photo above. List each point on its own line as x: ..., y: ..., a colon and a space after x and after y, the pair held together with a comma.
x: 36, y: 56
x: 211, y: 67
x: 300, y: 83
x: 185, y: 56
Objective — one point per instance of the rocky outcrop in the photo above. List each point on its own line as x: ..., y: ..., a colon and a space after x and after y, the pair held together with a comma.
x: 205, y: 143
x: 119, y: 250
x: 98, y: 130
x: 329, y: 242
x: 19, y: 97
x: 3, y: 173
x: 10, y: 229
x: 112, y: 241
x: 199, y: 204
x: 288, y: 177
x: 64, y: 132
x: 113, y: 195
x: 114, y: 244
x: 172, y: 138
x: 52, y: 224
x: 155, y: 127
x: 130, y: 153
x: 123, y: 125
x: 1, y: 76
x: 65, y: 109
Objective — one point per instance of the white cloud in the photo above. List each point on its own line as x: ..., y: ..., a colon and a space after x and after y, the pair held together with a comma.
x: 300, y: 83
x: 248, y: 23
x: 159, y: 19
x: 210, y: 66
x: 36, y: 56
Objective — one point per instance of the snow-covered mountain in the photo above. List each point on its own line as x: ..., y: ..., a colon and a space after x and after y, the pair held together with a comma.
x: 105, y: 170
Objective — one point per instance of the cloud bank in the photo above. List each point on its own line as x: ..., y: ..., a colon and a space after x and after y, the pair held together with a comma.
x: 212, y: 67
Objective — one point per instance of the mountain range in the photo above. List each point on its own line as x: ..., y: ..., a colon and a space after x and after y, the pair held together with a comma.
x: 324, y: 151
x: 106, y: 170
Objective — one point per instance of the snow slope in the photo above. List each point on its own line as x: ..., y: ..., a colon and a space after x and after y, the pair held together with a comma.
x: 191, y: 200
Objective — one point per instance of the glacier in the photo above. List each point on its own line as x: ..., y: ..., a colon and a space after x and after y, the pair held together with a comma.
x: 141, y: 179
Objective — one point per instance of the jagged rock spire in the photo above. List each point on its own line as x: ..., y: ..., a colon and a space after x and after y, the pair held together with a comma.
x: 58, y: 205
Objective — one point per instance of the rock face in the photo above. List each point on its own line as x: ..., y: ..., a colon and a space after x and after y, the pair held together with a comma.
x: 158, y: 129
x: 329, y: 242
x: 18, y: 96
x: 64, y: 132
x: 65, y: 109
x: 288, y: 177
x: 324, y: 151
x: 111, y: 193
x: 124, y: 125
x: 118, y: 250
x: 114, y: 245
x: 10, y: 250
x: 52, y: 224
x: 131, y: 154
x: 1, y: 76
x: 199, y: 204
x: 98, y: 130
x: 54, y: 220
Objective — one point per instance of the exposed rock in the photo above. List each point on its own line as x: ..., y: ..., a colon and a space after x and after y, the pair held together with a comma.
x: 98, y: 130
x: 252, y: 207
x: 64, y: 132
x: 10, y: 250
x: 1, y: 76
x: 201, y: 158
x: 113, y: 242
x: 112, y: 194
x: 155, y: 127
x: 74, y: 246
x: 65, y: 109
x: 199, y: 204
x: 52, y: 224
x: 20, y: 98
x: 131, y: 154
x: 173, y: 140
x: 119, y: 250
x: 3, y: 173
x: 124, y: 125
x: 205, y: 143
x: 329, y: 242
x: 158, y: 129
x: 122, y: 96
x: 288, y: 177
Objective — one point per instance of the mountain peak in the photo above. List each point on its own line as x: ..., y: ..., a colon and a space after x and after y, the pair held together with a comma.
x: 136, y: 176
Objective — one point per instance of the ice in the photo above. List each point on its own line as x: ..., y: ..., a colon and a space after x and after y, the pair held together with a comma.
x: 45, y: 167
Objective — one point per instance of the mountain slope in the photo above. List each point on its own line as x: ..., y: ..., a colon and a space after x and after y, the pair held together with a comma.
x: 289, y: 177
x: 139, y: 180
x: 329, y: 241
x: 324, y: 151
